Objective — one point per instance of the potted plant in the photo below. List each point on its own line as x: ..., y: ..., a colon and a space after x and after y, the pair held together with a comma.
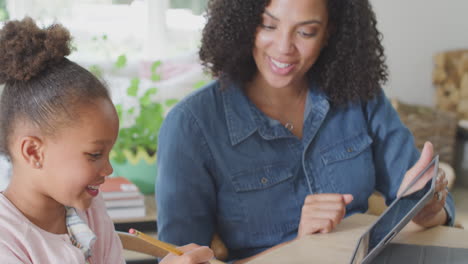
x: 134, y: 153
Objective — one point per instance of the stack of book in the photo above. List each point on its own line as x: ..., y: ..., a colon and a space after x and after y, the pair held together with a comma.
x: 123, y: 199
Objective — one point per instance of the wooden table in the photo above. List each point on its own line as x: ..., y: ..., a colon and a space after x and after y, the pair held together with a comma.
x: 338, y: 246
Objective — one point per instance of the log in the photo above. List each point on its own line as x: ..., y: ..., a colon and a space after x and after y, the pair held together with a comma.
x: 450, y: 77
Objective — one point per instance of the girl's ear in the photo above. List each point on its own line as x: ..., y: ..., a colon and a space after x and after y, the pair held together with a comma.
x: 32, y: 151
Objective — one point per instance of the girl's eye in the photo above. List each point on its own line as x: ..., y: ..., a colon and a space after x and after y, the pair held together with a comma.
x: 268, y: 27
x: 94, y: 156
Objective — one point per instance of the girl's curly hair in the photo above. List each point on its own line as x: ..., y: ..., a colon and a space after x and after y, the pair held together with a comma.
x: 41, y: 85
x: 351, y: 66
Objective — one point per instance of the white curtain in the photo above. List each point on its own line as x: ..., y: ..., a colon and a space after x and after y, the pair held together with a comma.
x: 156, y: 39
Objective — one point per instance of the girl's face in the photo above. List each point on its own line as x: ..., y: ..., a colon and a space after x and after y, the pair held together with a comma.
x: 76, y: 161
x: 289, y: 40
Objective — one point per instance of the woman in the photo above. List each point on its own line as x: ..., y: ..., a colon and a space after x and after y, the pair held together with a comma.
x: 295, y: 134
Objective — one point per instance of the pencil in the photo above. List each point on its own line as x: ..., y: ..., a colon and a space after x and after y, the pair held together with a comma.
x: 154, y: 241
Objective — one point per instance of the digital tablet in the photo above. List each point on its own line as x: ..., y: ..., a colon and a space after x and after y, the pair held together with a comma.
x: 397, y: 215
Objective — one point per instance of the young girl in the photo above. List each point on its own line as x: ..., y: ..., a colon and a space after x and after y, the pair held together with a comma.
x: 57, y: 126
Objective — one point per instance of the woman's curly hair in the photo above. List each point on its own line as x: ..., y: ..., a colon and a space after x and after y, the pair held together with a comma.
x: 351, y: 66
x: 42, y: 87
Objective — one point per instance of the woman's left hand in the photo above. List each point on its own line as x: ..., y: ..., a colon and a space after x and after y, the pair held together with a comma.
x: 433, y: 213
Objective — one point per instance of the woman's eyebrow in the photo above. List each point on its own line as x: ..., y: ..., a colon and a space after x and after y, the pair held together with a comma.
x: 270, y: 15
x: 312, y: 21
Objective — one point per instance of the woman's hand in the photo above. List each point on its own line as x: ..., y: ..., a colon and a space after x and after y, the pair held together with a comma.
x: 433, y: 212
x: 193, y: 254
x: 322, y: 213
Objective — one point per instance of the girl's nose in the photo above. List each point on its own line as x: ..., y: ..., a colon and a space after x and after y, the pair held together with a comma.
x: 107, y: 169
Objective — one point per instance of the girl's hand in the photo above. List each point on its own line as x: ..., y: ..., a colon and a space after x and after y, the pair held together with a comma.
x: 322, y: 213
x: 193, y: 254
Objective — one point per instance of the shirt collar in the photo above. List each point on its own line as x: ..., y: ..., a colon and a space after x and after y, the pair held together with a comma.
x: 239, y: 118
x: 243, y: 118
x: 80, y: 234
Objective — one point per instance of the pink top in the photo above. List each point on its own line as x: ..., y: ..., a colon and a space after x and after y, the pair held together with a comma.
x: 23, y: 242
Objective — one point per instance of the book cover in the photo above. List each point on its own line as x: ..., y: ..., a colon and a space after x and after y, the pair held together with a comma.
x: 119, y: 187
x: 125, y: 202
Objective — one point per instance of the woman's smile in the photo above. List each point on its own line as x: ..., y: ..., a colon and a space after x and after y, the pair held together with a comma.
x: 279, y: 67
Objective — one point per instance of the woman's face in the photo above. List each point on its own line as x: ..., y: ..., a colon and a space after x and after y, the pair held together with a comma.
x: 289, y: 40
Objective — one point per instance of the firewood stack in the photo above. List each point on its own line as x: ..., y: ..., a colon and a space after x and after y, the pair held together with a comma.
x: 429, y: 124
x: 450, y: 77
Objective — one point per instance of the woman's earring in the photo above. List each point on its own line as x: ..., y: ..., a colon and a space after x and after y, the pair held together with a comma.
x: 38, y: 164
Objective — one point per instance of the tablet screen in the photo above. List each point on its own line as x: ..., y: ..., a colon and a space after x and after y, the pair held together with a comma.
x: 399, y: 213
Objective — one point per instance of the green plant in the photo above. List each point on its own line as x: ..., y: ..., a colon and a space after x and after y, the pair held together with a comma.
x: 197, y: 6
x: 145, y: 119
x: 140, y: 122
x: 3, y: 10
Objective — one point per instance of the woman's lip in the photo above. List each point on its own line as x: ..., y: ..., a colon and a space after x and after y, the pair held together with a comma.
x: 280, y: 71
x: 280, y: 61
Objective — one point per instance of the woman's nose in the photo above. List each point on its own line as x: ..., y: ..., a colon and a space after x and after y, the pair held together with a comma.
x: 284, y: 42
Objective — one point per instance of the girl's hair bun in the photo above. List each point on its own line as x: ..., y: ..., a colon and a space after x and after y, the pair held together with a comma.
x: 26, y: 50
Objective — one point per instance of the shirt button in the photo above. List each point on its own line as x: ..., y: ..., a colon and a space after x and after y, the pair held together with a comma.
x: 264, y: 180
x: 350, y: 150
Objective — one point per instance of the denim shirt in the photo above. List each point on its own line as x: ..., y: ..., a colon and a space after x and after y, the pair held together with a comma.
x: 225, y: 167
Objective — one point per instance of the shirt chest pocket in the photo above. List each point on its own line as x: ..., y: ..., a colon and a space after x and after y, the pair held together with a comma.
x: 267, y: 197
x: 261, y: 178
x: 348, y: 165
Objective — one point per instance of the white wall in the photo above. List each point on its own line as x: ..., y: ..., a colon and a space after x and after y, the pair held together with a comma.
x: 413, y: 31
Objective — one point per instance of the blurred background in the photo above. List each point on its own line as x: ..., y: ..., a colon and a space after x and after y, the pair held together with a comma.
x: 146, y: 51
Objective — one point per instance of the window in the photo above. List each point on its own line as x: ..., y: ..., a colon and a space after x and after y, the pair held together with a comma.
x: 106, y: 28
x: 196, y: 6
x: 142, y: 30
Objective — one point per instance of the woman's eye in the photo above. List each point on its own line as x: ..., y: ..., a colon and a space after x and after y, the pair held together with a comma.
x: 268, y: 27
x: 307, y: 34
